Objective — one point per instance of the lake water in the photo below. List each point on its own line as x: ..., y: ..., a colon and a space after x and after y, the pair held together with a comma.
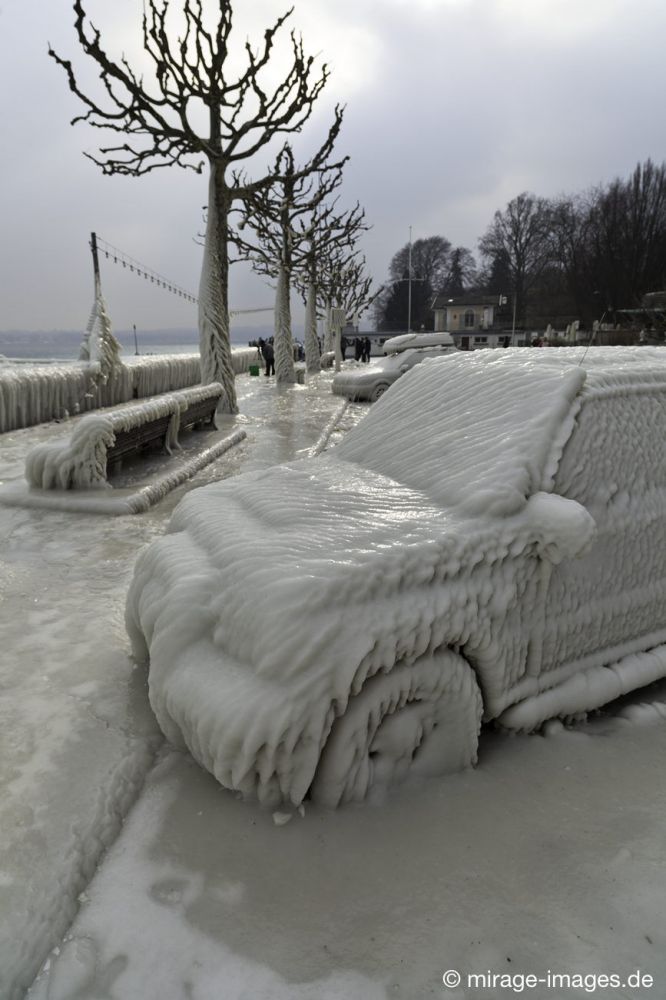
x: 64, y: 345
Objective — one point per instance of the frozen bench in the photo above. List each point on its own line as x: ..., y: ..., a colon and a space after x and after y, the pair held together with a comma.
x: 196, y: 407
x: 100, y: 442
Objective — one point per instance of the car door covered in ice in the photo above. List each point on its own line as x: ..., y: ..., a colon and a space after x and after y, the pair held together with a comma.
x: 601, y: 624
x: 612, y: 600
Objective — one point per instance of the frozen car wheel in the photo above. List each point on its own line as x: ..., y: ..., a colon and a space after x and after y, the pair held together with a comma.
x: 419, y: 719
x: 378, y: 391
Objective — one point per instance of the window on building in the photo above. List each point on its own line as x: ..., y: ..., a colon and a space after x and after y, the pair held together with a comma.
x: 480, y: 340
x: 469, y: 318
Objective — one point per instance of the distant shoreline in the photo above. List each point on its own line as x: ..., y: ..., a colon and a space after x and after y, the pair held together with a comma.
x: 64, y: 344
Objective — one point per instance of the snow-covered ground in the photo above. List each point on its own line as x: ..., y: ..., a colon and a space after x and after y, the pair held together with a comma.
x: 546, y: 859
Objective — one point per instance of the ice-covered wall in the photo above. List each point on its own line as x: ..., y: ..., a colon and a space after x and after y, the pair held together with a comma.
x: 326, y: 625
x: 33, y: 394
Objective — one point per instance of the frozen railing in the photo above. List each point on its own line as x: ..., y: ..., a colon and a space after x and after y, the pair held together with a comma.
x: 35, y: 393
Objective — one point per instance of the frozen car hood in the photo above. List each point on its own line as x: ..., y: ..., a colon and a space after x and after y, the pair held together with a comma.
x: 277, y: 594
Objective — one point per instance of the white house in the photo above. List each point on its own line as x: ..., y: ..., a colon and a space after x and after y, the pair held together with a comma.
x: 474, y: 320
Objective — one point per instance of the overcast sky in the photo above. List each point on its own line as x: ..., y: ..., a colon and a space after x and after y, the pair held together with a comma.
x: 453, y: 108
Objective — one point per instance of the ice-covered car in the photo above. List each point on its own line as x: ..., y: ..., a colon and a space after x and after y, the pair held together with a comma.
x: 405, y: 340
x: 372, y: 382
x: 493, y: 552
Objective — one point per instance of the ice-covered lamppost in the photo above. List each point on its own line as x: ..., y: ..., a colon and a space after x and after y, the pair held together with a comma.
x: 99, y: 344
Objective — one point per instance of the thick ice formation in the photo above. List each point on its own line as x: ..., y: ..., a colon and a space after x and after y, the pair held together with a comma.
x: 76, y: 462
x: 325, y: 625
x: 35, y: 393
x: 99, y: 344
x: 79, y: 461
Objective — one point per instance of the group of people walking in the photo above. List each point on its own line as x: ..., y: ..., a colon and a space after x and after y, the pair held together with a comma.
x: 362, y: 348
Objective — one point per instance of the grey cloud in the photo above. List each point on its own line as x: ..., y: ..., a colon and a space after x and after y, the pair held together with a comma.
x: 462, y: 106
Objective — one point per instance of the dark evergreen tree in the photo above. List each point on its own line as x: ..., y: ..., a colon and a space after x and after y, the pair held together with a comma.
x: 461, y: 272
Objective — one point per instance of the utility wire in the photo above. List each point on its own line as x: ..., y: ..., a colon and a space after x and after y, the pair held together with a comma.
x: 142, y: 270
x: 148, y: 273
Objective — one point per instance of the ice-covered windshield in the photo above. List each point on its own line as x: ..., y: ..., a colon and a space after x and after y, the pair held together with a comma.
x: 471, y: 431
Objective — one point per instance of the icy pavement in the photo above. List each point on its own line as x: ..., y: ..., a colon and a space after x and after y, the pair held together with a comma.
x: 76, y: 732
x: 548, y: 857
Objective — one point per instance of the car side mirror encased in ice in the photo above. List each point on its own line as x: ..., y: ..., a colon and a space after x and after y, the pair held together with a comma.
x: 563, y: 528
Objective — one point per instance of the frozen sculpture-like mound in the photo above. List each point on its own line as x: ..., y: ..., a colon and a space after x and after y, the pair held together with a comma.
x: 489, y: 541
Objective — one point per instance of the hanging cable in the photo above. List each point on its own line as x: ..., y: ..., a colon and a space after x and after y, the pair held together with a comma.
x: 117, y: 256
x: 142, y: 270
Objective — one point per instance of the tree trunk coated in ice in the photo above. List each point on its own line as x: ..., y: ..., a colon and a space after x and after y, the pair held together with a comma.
x: 328, y: 330
x: 214, y: 339
x: 337, y: 322
x: 312, y: 356
x: 282, y: 341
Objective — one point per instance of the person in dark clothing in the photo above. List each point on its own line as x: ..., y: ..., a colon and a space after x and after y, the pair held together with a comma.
x: 358, y: 348
x: 367, y: 347
x: 268, y: 354
x: 344, y: 344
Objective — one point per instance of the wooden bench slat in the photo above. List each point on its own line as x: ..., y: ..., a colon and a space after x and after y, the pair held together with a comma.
x: 138, y: 437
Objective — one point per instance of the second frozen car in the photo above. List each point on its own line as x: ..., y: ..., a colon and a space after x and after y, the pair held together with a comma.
x: 371, y: 382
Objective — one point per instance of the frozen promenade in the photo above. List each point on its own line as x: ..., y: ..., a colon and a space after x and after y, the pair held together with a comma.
x: 549, y: 858
x: 76, y: 732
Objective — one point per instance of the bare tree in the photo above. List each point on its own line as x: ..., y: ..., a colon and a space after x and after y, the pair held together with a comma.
x: 611, y: 241
x: 429, y: 259
x: 627, y: 236
x: 344, y: 290
x: 156, y: 122
x: 407, y: 297
x: 281, y: 220
x: 332, y: 235
x: 521, y: 236
x: 571, y: 220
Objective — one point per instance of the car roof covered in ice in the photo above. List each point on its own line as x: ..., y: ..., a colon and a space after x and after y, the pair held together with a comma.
x: 480, y: 432
x: 406, y: 340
